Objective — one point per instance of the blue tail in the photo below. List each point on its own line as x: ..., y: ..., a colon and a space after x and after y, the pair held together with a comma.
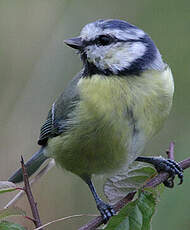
x: 32, y: 166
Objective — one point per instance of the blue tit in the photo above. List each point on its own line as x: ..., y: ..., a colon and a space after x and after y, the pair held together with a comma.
x: 111, y: 109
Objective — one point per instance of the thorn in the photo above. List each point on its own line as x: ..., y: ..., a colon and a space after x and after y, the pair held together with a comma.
x: 30, y: 218
x: 22, y: 160
x: 20, y: 188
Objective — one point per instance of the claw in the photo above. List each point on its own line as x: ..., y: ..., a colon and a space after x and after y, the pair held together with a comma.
x: 106, y: 211
x: 173, y: 168
x: 169, y: 182
x: 165, y: 165
x: 181, y: 178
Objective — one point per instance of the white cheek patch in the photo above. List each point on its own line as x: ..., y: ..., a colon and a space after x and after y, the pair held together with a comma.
x: 135, y: 51
x: 96, y: 54
x: 125, y: 56
x: 116, y: 58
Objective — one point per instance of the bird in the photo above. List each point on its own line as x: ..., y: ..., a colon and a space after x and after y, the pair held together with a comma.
x: 110, y: 109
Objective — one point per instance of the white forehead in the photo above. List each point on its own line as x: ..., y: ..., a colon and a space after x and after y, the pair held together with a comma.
x: 94, y: 29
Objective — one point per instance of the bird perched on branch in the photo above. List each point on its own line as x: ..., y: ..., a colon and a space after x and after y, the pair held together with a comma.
x: 111, y: 109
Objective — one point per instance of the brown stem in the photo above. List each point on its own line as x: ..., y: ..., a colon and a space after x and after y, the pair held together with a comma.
x: 30, y: 197
x: 170, y: 152
x: 96, y: 222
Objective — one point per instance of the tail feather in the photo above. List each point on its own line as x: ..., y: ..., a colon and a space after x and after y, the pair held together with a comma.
x: 32, y: 166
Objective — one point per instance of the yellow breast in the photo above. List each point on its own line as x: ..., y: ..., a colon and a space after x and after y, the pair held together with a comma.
x: 144, y: 100
x: 114, y: 119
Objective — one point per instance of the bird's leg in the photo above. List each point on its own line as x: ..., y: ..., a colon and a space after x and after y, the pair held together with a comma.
x: 165, y: 165
x: 106, y: 210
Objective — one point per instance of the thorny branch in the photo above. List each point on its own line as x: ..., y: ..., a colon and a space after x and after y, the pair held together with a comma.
x: 30, y: 197
x: 41, y: 173
x: 96, y: 222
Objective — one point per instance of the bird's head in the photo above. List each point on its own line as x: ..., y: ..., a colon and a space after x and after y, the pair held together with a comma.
x: 115, y: 47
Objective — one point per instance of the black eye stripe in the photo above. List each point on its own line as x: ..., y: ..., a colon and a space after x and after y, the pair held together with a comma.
x: 96, y: 41
x: 134, y: 40
x: 114, y: 40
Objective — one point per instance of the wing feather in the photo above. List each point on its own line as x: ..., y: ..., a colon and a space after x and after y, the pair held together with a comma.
x: 56, y: 122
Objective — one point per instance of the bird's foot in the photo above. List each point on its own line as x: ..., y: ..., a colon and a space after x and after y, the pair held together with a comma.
x: 171, y: 167
x: 106, y: 210
x: 165, y: 165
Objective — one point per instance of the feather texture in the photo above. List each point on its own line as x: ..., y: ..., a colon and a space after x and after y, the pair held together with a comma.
x: 112, y: 121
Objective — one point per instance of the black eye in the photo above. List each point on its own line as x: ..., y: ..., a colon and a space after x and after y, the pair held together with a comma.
x: 104, y: 40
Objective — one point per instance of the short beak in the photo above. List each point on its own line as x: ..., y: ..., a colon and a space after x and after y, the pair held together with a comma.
x: 75, y: 43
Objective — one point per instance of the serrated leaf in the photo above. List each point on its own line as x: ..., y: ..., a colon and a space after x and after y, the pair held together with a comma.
x: 147, y: 204
x: 132, y: 179
x: 11, y: 211
x: 136, y: 215
x: 6, y: 186
x: 5, y: 225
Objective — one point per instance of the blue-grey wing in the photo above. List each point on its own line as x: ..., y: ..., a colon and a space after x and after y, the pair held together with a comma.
x: 56, y: 122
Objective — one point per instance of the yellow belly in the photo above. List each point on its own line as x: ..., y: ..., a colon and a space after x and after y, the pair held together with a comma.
x: 112, y: 122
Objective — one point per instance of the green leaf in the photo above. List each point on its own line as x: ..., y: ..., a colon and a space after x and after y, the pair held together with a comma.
x: 126, y: 181
x: 11, y: 211
x: 5, y: 225
x: 136, y: 215
x: 6, y: 186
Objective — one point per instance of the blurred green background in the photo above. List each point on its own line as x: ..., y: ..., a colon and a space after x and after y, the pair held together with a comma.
x: 35, y: 66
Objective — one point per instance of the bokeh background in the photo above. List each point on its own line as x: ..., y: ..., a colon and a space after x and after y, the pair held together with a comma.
x: 35, y: 66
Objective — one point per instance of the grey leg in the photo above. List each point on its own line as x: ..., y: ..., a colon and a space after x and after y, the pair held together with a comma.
x: 106, y: 210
